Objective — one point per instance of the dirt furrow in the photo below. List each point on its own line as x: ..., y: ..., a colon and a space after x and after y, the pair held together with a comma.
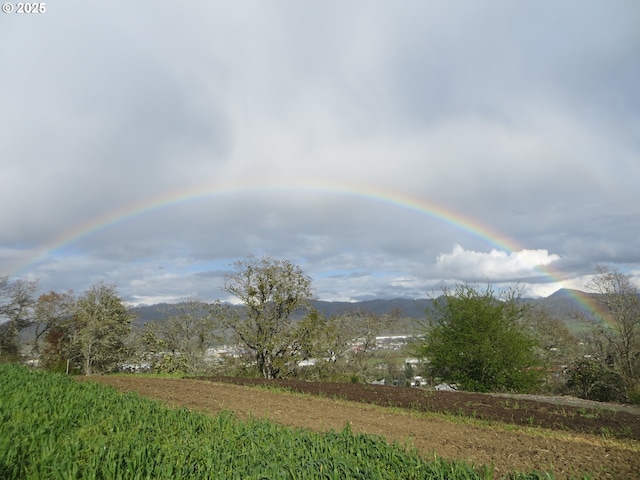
x: 566, y: 455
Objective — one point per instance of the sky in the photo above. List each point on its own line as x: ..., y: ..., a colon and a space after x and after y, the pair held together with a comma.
x: 387, y: 148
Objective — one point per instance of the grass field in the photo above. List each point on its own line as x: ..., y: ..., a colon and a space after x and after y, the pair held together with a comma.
x: 53, y: 427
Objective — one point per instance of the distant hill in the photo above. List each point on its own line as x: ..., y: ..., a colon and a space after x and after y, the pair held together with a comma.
x: 153, y: 313
x: 406, y: 307
x: 567, y: 305
x: 573, y: 307
x: 567, y: 302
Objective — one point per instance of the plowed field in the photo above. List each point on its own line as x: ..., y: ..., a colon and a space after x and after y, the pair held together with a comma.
x: 570, y: 440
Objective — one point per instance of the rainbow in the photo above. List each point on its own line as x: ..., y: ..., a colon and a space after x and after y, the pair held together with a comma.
x: 378, y: 194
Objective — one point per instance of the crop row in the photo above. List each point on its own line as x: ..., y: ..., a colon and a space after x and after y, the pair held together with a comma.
x: 52, y: 427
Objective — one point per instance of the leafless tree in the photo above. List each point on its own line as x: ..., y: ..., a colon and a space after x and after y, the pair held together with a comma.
x: 182, y: 340
x: 16, y: 313
x: 617, y: 335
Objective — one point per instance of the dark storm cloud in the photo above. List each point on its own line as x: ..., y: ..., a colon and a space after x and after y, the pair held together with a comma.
x: 521, y: 119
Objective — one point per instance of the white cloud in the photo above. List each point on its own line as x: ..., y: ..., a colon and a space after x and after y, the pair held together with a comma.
x: 494, y: 266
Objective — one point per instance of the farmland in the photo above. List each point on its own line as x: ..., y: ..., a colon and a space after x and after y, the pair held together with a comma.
x: 482, y: 440
x: 55, y: 427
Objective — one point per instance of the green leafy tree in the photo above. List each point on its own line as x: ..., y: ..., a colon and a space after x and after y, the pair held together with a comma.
x: 480, y: 342
x: 99, y: 329
x: 271, y: 291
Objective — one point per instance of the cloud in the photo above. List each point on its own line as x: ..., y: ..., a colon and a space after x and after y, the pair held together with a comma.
x: 494, y: 266
x: 518, y: 118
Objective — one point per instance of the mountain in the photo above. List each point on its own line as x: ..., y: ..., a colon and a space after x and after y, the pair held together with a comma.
x: 571, y: 306
x: 575, y: 307
x: 408, y: 310
x: 568, y: 302
x: 153, y: 313
x: 405, y: 307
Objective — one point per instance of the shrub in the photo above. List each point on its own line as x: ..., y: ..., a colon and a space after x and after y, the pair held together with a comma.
x: 589, y: 379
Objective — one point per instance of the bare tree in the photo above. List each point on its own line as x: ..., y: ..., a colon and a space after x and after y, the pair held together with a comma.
x: 182, y: 340
x: 617, y: 335
x: 16, y: 313
x: 350, y: 341
x: 344, y: 346
x: 557, y: 345
x: 271, y: 291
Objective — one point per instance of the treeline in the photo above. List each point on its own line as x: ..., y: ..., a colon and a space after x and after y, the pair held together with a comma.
x: 88, y: 334
x: 474, y: 338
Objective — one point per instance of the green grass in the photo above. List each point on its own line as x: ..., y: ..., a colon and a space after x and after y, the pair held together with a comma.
x: 52, y: 427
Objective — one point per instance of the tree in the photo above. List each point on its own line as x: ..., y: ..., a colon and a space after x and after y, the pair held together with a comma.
x: 99, y: 328
x: 480, y: 342
x: 56, y: 353
x: 557, y: 346
x: 16, y: 313
x: 271, y: 291
x: 349, y: 342
x: 588, y: 378
x: 183, y: 339
x: 52, y: 310
x: 616, y: 337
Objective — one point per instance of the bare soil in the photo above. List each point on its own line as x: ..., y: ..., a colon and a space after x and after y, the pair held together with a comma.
x: 570, y: 440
